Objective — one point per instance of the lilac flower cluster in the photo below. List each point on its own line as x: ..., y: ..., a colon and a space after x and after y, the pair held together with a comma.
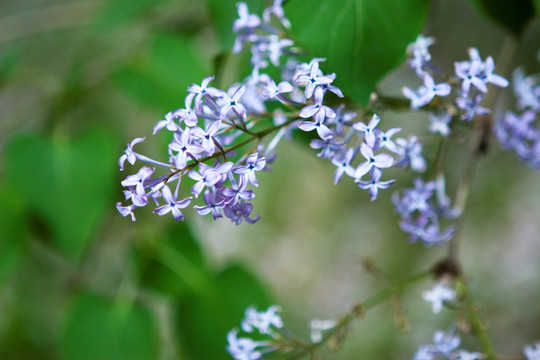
x: 202, y: 132
x: 340, y: 137
x: 215, y: 123
x: 421, y: 208
x: 445, y: 346
x: 264, y: 323
x: 474, y: 76
x: 519, y: 131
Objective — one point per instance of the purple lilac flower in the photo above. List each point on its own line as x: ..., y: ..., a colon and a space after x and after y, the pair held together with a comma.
x: 368, y: 130
x: 438, y: 123
x: 341, y: 119
x: 184, y: 147
x: 317, y: 108
x: 129, y: 155
x: 187, y: 115
x: 277, y: 9
x: 214, y: 203
x: 420, y: 213
x: 445, y: 345
x: 324, y: 132
x: 272, y: 90
x: 172, y: 204
x: 532, y: 352
x: 410, y: 152
x: 238, y: 192
x: 526, y: 90
x: 328, y: 147
x: 426, y: 92
x: 207, y: 176
x: 253, y: 163
x: 312, y: 78
x: 202, y: 90
x: 471, y: 106
x: 420, y: 52
x: 208, y: 136
x: 240, y: 211
x: 246, y: 21
x: 233, y: 103
x: 343, y: 163
x: 384, y: 139
x: 168, y: 123
x: 138, y: 180
x: 380, y: 161
x: 375, y: 184
x: 126, y: 210
x: 477, y: 73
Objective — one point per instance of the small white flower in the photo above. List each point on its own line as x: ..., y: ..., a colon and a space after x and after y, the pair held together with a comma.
x: 438, y: 295
x: 532, y: 352
x: 262, y: 321
x: 318, y: 326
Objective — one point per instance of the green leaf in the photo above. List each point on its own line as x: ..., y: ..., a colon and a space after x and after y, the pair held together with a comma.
x: 97, y: 328
x: 12, y: 232
x: 145, y: 89
x: 161, y: 79
x: 67, y: 182
x: 514, y: 15
x: 156, y: 275
x: 223, y: 14
x: 362, y: 40
x: 202, y: 326
x: 117, y: 12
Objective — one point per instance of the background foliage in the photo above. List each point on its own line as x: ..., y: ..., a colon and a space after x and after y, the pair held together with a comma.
x: 79, y: 79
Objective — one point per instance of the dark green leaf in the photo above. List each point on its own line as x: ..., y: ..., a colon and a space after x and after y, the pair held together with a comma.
x: 100, y: 329
x: 514, y: 14
x: 362, y: 40
x: 223, y: 13
x: 158, y: 276
x: 12, y: 231
x: 66, y: 182
x: 202, y: 326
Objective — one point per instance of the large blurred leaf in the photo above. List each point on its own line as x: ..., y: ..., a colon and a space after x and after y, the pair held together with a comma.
x: 224, y: 12
x: 66, y: 182
x: 186, y: 259
x: 12, y: 231
x: 203, y: 325
x: 161, y: 79
x: 100, y: 329
x: 514, y: 14
x: 116, y: 12
x: 362, y: 40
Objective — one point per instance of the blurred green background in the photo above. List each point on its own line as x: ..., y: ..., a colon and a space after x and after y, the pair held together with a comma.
x: 80, y: 79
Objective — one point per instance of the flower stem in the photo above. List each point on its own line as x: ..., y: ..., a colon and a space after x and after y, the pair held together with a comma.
x: 359, y: 309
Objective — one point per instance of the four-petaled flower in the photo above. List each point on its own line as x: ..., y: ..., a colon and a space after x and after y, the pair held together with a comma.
x: 438, y: 295
x: 232, y: 103
x: 372, y: 161
x: 253, y: 163
x: 374, y: 185
x: 368, y: 130
x: 172, y: 204
x: 129, y: 155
